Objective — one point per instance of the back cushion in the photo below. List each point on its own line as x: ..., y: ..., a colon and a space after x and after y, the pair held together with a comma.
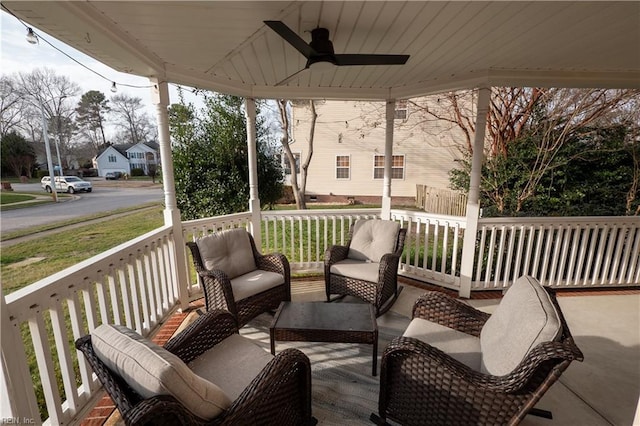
x: 372, y: 239
x: 524, y: 318
x: 229, y: 251
x: 152, y: 370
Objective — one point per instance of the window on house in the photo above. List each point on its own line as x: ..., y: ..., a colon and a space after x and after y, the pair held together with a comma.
x: 343, y: 167
x: 112, y: 159
x: 397, y: 167
x: 287, y: 166
x: 402, y: 110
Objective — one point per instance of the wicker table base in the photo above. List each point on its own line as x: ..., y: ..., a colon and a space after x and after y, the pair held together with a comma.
x: 326, y: 322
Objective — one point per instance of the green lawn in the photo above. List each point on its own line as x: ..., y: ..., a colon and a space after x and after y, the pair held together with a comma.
x: 10, y: 198
x: 66, y: 248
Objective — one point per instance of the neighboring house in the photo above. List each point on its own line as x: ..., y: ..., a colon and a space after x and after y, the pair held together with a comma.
x: 349, y: 145
x: 126, y: 157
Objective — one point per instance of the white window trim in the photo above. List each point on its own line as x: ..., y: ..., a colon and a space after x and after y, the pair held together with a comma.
x: 404, y: 167
x: 336, y: 166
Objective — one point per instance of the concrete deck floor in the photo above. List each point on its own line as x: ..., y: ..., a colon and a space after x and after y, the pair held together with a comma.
x: 602, y: 390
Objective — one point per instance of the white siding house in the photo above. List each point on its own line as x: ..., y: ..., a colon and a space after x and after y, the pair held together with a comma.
x: 124, y: 158
x: 348, y: 150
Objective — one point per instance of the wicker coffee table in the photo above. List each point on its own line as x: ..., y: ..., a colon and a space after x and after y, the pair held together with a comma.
x: 326, y: 322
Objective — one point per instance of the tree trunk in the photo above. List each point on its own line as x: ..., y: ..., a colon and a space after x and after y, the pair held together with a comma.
x: 284, y: 119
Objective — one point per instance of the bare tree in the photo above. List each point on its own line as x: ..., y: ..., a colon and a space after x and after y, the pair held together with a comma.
x: 299, y: 191
x: 43, y: 88
x: 130, y: 117
x: 11, y: 105
x: 555, y: 115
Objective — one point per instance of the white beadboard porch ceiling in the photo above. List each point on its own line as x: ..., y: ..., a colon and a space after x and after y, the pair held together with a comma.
x: 225, y: 46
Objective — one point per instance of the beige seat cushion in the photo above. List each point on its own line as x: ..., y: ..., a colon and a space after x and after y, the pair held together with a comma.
x: 358, y: 269
x: 524, y: 318
x: 254, y: 282
x: 460, y: 346
x: 372, y: 239
x: 233, y: 363
x: 228, y: 250
x: 151, y: 370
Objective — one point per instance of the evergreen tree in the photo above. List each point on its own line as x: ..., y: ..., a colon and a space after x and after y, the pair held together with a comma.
x: 90, y: 117
x: 211, y: 160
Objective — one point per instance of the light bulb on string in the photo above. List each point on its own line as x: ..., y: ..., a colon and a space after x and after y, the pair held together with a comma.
x: 31, y: 36
x: 114, y: 89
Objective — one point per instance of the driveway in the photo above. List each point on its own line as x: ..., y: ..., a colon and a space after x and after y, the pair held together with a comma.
x: 105, y: 197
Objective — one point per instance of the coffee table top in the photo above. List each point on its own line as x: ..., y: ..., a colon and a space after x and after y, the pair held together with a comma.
x: 325, y: 316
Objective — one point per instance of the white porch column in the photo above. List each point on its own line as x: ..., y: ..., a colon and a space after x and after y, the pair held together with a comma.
x: 254, y: 198
x: 17, y: 398
x: 473, y: 200
x: 160, y: 96
x: 388, y: 160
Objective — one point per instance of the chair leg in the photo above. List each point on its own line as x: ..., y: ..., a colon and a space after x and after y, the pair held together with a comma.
x: 546, y: 414
x: 338, y: 297
x: 378, y: 420
x: 389, y: 303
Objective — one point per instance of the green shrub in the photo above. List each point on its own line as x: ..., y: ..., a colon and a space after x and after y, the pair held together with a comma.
x: 137, y: 172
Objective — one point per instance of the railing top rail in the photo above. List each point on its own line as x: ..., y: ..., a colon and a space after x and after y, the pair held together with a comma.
x: 223, y: 218
x: 560, y: 220
x: 422, y: 214
x: 322, y: 212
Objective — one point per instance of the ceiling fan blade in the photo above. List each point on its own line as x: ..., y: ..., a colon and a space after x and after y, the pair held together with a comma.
x: 292, y: 38
x: 293, y: 76
x: 360, y: 59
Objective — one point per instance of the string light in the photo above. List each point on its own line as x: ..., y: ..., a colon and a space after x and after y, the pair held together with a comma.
x: 31, y: 37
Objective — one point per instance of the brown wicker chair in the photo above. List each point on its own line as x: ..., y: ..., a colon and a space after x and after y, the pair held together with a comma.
x: 422, y: 385
x: 340, y: 263
x: 219, y: 282
x: 279, y: 395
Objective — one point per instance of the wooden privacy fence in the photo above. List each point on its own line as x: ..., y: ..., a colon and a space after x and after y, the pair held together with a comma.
x: 441, y: 201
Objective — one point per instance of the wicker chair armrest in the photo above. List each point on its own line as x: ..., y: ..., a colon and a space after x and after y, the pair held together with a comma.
x: 538, y: 363
x: 274, y: 262
x: 430, y: 362
x: 218, y: 291
x: 195, y: 254
x: 437, y: 307
x: 204, y: 333
x: 280, y: 394
x: 335, y: 254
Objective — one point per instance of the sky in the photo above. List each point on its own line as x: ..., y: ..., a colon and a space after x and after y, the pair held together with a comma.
x: 17, y: 55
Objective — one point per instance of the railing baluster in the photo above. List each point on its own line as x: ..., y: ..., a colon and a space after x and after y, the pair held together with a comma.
x: 46, y: 368
x: 58, y: 325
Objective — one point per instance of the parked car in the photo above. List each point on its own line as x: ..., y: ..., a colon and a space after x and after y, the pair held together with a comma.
x: 70, y: 184
x: 113, y: 175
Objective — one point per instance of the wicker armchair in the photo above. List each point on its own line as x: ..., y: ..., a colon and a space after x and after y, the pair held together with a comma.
x: 422, y: 385
x: 237, y: 278
x: 279, y: 395
x: 367, y: 267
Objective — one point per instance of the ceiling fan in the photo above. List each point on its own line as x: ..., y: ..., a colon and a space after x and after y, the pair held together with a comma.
x: 320, y: 54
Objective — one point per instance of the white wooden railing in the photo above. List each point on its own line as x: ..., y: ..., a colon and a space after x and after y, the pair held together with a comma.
x: 133, y: 284
x: 558, y: 251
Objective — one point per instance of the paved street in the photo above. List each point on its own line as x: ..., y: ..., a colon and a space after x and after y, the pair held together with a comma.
x: 103, y: 198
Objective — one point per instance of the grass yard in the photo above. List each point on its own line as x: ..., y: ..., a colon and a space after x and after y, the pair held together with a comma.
x: 10, y: 198
x: 25, y: 263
